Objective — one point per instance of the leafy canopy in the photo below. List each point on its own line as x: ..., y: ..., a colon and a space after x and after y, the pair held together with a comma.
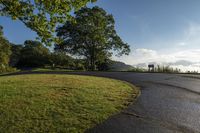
x: 5, y: 51
x: 33, y: 54
x: 42, y: 16
x: 92, y: 36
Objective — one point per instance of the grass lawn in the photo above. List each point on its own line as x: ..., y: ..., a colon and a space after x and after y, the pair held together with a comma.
x: 50, y: 70
x: 59, y: 103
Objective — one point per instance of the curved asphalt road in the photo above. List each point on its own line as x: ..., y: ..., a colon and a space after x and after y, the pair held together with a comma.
x: 168, y: 103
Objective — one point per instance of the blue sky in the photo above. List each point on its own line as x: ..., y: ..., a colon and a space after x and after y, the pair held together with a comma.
x: 157, y: 30
x: 154, y: 24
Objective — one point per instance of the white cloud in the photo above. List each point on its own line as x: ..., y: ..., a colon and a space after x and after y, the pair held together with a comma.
x: 192, y: 55
x: 182, y: 44
x: 186, y: 48
x: 146, y: 52
x: 140, y: 56
x: 187, y: 68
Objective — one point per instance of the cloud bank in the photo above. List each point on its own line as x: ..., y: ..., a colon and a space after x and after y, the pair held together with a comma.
x: 182, y: 52
x: 186, y: 60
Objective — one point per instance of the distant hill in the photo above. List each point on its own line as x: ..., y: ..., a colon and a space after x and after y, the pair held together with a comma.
x: 119, y: 66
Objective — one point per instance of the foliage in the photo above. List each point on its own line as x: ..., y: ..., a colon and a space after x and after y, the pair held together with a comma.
x: 42, y: 16
x: 60, y: 59
x: 166, y: 69
x: 119, y: 66
x: 59, y: 103
x: 192, y: 72
x: 15, y: 56
x: 79, y: 64
x: 137, y: 69
x: 158, y: 69
x: 5, y: 52
x: 33, y: 54
x: 105, y: 65
x: 93, y: 36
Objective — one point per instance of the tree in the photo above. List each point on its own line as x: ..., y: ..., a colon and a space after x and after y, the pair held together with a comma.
x: 42, y: 16
x: 34, y: 54
x: 104, y: 65
x: 16, y: 53
x: 92, y: 36
x: 5, y: 51
x: 60, y: 59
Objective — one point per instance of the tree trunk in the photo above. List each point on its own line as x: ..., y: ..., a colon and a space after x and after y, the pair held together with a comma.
x: 92, y: 58
x: 92, y: 64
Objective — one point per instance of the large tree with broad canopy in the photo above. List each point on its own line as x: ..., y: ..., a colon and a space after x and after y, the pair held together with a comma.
x: 92, y: 36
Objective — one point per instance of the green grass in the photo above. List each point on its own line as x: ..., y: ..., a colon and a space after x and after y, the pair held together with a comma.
x: 59, y: 103
x: 50, y: 70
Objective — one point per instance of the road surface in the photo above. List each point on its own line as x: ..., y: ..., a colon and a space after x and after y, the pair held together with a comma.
x: 168, y: 103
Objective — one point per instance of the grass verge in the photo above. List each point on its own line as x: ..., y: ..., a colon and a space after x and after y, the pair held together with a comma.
x: 50, y: 70
x: 59, y: 103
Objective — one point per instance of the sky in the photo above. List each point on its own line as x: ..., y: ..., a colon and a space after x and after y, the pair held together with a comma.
x: 158, y: 31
